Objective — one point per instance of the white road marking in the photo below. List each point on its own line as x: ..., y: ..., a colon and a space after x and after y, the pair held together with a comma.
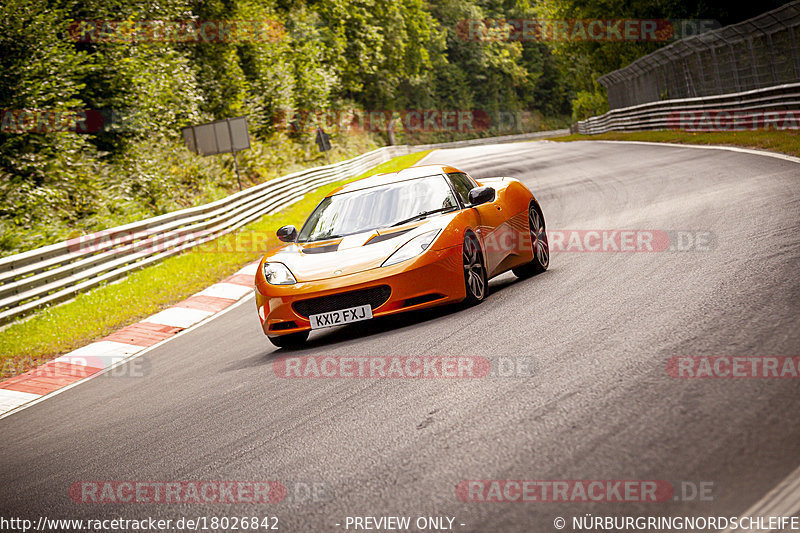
x: 99, y: 349
x: 178, y: 317
x: 226, y: 290
x: 11, y: 399
x: 102, y: 354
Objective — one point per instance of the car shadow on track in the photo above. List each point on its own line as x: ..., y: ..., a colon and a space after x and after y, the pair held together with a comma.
x: 380, y: 325
x: 376, y: 326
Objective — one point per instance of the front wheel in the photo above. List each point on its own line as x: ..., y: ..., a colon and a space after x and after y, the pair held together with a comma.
x: 475, y: 278
x: 290, y: 341
x: 541, y: 248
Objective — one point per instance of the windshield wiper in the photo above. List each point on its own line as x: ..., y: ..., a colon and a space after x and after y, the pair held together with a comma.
x: 422, y: 215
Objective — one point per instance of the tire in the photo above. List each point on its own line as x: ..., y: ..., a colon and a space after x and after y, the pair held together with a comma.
x: 290, y: 341
x: 541, y: 248
x: 476, y: 282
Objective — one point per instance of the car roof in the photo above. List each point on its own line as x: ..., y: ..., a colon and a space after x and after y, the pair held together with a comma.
x: 394, y: 177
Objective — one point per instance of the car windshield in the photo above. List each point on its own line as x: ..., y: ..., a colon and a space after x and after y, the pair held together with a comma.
x: 377, y: 207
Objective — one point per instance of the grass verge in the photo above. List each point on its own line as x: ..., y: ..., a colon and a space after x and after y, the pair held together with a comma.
x: 62, y: 328
x: 785, y: 142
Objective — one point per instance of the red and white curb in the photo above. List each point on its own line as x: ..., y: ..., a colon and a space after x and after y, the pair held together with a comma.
x: 129, y: 342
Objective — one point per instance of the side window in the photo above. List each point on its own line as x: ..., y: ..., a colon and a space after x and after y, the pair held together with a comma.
x: 462, y: 185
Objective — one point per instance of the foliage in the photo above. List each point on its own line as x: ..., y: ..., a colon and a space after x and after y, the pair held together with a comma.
x: 343, y: 57
x: 588, y: 104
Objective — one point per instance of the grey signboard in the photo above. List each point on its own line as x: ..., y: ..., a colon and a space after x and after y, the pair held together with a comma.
x: 220, y: 137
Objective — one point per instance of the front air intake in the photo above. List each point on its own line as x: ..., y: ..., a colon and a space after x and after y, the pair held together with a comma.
x: 374, y: 296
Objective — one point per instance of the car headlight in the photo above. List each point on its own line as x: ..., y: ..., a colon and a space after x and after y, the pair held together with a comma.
x: 412, y: 248
x: 278, y: 274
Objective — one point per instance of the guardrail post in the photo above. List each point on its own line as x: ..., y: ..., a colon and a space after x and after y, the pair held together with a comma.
x: 734, y: 68
x: 772, y: 63
x: 716, y: 69
x: 753, y: 67
x: 795, y: 53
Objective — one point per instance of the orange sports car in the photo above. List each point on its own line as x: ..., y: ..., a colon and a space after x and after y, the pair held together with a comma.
x: 390, y: 243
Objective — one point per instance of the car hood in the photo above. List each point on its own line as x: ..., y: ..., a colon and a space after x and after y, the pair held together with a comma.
x: 332, y: 258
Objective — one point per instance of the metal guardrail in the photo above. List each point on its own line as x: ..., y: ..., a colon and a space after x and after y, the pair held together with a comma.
x: 58, y: 272
x: 673, y: 114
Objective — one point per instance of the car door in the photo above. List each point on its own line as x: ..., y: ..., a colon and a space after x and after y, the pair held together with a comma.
x: 492, y: 221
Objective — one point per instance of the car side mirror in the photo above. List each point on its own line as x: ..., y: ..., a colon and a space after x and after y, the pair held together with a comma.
x: 481, y: 195
x: 287, y: 233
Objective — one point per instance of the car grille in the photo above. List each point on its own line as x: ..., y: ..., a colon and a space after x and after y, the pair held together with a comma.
x: 374, y: 296
x: 283, y: 325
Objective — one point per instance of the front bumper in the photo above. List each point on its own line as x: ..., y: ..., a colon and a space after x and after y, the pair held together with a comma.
x: 434, y: 278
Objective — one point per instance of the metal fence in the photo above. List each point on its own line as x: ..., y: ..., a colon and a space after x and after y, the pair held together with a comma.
x: 757, y: 53
x: 58, y: 272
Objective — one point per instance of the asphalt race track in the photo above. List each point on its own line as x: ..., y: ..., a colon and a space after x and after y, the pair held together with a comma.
x: 596, y: 332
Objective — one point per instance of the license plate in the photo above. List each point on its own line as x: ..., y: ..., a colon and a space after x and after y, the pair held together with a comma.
x: 342, y: 316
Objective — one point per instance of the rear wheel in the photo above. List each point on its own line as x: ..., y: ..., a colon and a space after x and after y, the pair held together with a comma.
x: 290, y: 341
x: 475, y: 279
x: 541, y: 248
